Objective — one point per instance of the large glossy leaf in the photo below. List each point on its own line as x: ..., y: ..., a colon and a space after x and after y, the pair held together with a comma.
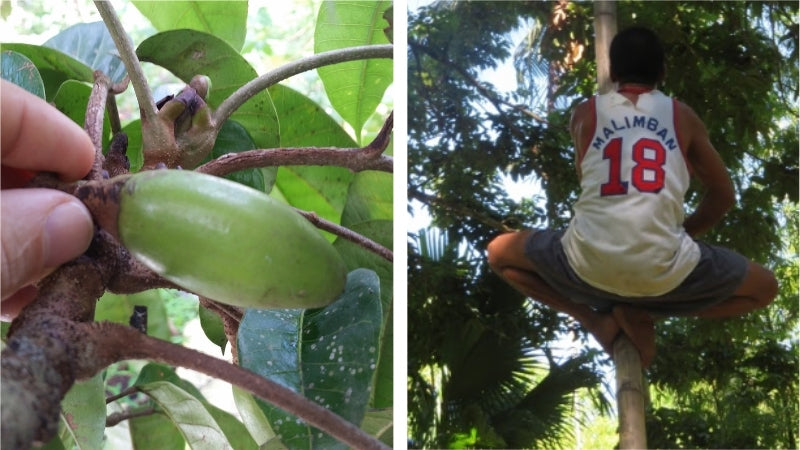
x: 369, y: 212
x: 328, y: 355
x: 155, y: 431
x: 305, y: 124
x: 369, y: 198
x: 379, y: 231
x: 187, y: 53
x: 354, y: 88
x: 322, y: 189
x: 91, y: 44
x: 83, y: 413
x: 54, y: 66
x: 235, y: 431
x: 195, y: 423
x: 224, y: 19
x: 18, y: 69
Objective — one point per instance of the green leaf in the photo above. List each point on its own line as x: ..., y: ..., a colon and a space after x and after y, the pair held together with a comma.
x: 18, y: 69
x: 155, y: 431
x: 369, y: 198
x: 328, y: 355
x: 54, y: 66
x: 212, y: 327
x: 83, y: 413
x: 354, y: 255
x: 91, y: 43
x: 134, y: 131
x: 237, y: 434
x: 354, y: 88
x: 380, y: 424
x: 233, y: 138
x: 322, y: 189
x: 187, y: 53
x: 118, y: 308
x: 225, y: 19
x: 252, y: 416
x: 369, y: 212
x: 153, y: 372
x: 195, y: 423
x: 304, y: 123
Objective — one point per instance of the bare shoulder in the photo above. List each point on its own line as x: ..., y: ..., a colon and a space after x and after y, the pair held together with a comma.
x: 581, y: 111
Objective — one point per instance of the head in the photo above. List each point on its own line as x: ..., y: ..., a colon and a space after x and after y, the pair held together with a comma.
x: 636, y: 57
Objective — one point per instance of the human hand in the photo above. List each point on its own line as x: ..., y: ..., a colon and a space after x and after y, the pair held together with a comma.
x: 40, y: 229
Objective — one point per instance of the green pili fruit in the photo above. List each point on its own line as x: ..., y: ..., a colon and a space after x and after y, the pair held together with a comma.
x: 227, y: 242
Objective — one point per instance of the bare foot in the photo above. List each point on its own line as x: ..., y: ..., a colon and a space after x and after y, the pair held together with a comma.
x: 639, y: 327
x: 604, y: 328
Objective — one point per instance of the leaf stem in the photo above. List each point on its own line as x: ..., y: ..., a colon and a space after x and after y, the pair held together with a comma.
x: 244, y: 93
x: 147, y: 105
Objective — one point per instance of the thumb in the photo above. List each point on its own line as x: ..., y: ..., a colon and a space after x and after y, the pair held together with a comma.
x: 41, y: 229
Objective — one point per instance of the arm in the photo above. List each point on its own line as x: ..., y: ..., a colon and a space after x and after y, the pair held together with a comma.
x: 710, y: 171
x: 581, y: 128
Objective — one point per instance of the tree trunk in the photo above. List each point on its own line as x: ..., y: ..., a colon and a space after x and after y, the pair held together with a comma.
x: 605, y: 27
x: 630, y: 393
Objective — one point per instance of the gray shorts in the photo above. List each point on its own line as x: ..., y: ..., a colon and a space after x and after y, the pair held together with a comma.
x: 718, y: 274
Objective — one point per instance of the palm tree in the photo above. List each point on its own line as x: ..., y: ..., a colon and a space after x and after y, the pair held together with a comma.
x: 478, y: 376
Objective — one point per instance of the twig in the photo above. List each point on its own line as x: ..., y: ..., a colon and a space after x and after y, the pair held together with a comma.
x: 93, y: 123
x: 355, y: 159
x: 147, y: 105
x: 118, y: 417
x: 124, y: 393
x: 244, y: 93
x: 348, y: 234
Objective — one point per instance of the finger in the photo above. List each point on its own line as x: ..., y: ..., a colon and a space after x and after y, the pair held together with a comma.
x: 12, y: 305
x: 40, y: 229
x: 36, y: 136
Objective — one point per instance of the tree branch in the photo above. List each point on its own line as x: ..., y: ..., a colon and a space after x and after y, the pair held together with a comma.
x: 118, y: 417
x: 348, y: 234
x: 93, y: 122
x: 147, y: 105
x: 355, y: 159
x: 244, y: 93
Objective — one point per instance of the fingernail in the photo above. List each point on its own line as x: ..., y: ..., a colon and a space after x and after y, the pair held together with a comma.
x: 67, y: 233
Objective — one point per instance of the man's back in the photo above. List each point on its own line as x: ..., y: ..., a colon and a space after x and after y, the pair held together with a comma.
x: 626, y: 235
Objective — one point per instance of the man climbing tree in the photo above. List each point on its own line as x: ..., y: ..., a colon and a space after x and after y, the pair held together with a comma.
x: 628, y: 255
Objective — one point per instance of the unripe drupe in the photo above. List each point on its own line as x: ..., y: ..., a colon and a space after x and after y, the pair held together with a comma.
x: 227, y: 242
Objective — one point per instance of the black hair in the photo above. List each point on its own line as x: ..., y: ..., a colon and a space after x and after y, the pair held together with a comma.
x: 637, y: 56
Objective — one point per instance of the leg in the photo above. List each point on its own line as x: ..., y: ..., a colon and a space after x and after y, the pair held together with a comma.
x: 758, y: 289
x: 507, y: 259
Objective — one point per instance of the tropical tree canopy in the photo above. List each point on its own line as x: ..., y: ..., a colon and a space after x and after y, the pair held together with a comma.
x: 485, y: 366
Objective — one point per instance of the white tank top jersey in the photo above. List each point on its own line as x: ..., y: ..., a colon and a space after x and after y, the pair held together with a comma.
x: 626, y: 236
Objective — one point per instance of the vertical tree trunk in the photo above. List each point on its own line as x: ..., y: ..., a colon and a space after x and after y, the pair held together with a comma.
x: 605, y: 27
x: 630, y: 393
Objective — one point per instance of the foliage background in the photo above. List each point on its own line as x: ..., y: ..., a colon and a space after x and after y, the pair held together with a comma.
x: 487, y: 368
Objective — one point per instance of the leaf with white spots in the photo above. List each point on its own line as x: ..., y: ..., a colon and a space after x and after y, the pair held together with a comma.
x: 328, y: 355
